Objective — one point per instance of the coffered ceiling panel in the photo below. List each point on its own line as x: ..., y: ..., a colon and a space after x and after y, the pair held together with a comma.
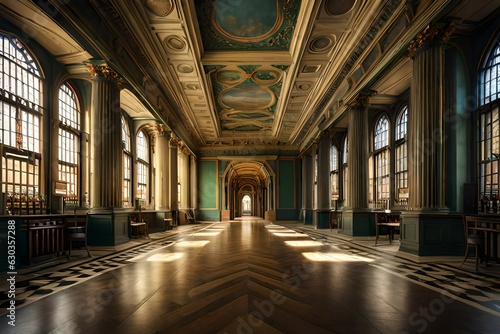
x: 238, y: 77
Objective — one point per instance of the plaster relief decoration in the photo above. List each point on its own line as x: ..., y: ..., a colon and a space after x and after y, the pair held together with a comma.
x: 159, y: 7
x: 247, y: 25
x: 246, y: 96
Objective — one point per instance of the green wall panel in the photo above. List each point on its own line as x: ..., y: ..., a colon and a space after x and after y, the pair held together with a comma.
x: 286, y: 184
x: 208, y: 184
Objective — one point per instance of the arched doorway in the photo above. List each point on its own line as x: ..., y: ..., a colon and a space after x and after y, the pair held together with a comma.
x: 246, y: 205
x: 248, y: 189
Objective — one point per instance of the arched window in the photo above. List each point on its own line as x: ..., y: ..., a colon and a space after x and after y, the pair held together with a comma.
x: 69, y: 143
x: 381, y: 158
x: 490, y: 79
x: 489, y: 134
x: 401, y: 168
x: 127, y: 164
x: 142, y: 165
x: 20, y: 118
x: 345, y: 171
x: 334, y: 174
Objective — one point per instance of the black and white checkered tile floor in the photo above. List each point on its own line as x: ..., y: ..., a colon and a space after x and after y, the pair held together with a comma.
x: 478, y: 290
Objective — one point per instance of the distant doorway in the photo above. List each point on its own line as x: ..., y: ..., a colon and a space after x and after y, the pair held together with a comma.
x: 246, y: 204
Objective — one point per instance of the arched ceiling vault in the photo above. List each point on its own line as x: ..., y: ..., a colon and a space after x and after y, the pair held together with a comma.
x: 252, y: 173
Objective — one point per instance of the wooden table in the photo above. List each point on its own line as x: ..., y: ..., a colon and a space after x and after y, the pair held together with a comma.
x: 488, y: 226
x: 389, y: 220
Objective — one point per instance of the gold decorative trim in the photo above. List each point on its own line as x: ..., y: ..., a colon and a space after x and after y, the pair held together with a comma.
x: 431, y: 34
x: 163, y: 131
x: 104, y: 71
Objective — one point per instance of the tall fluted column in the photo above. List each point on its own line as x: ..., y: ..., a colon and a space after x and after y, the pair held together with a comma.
x: 193, y: 166
x: 106, y: 121
x: 162, y: 168
x: 425, y: 133
x: 323, y: 182
x: 428, y: 227
x: 174, y: 144
x: 357, y: 159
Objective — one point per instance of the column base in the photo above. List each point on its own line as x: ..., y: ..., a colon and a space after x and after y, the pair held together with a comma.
x: 270, y: 216
x: 432, y: 233
x: 323, y: 219
x: 225, y: 215
x: 358, y: 222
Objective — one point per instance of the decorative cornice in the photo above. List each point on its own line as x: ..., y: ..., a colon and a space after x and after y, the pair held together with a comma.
x: 378, y: 23
x: 104, y: 71
x: 431, y: 34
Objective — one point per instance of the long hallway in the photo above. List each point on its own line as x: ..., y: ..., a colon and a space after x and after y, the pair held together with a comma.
x: 250, y: 276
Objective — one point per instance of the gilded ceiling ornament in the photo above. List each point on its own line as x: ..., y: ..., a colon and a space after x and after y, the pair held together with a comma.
x: 104, y: 71
x: 162, y: 130
x: 431, y: 34
x: 159, y: 7
x: 175, y: 142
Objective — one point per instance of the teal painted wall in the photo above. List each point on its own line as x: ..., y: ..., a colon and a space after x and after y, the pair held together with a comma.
x: 207, y: 215
x: 208, y: 184
x: 286, y: 185
x: 208, y: 191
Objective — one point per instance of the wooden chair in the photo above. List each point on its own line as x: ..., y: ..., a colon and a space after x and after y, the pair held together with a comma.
x: 76, y: 228
x: 473, y: 239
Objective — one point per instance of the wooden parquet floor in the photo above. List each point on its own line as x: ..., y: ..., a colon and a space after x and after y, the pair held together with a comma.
x: 249, y: 276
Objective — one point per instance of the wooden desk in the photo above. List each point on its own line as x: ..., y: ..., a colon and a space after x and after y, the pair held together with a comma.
x: 388, y: 220
x: 488, y: 226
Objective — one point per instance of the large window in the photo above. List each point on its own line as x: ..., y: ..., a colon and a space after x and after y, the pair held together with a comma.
x: 142, y: 165
x: 489, y: 134
x: 20, y: 117
x: 127, y: 164
x: 401, y: 168
x: 381, y: 158
x: 69, y: 143
x: 334, y: 175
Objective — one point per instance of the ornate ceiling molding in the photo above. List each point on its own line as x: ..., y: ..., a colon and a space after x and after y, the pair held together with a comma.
x: 378, y: 23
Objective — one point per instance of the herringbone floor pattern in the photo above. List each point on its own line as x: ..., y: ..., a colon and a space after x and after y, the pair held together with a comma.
x: 249, y: 276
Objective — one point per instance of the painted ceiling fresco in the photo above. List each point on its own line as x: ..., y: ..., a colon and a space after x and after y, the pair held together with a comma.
x: 247, y: 25
x: 246, y: 96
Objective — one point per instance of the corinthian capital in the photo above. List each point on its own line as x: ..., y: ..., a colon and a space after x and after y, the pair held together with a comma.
x: 362, y: 100
x: 100, y: 69
x: 431, y: 34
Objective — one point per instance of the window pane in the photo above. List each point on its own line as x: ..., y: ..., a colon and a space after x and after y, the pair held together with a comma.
x: 69, y: 143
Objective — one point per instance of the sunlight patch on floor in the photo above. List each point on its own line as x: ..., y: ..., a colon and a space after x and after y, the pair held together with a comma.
x: 335, y: 257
